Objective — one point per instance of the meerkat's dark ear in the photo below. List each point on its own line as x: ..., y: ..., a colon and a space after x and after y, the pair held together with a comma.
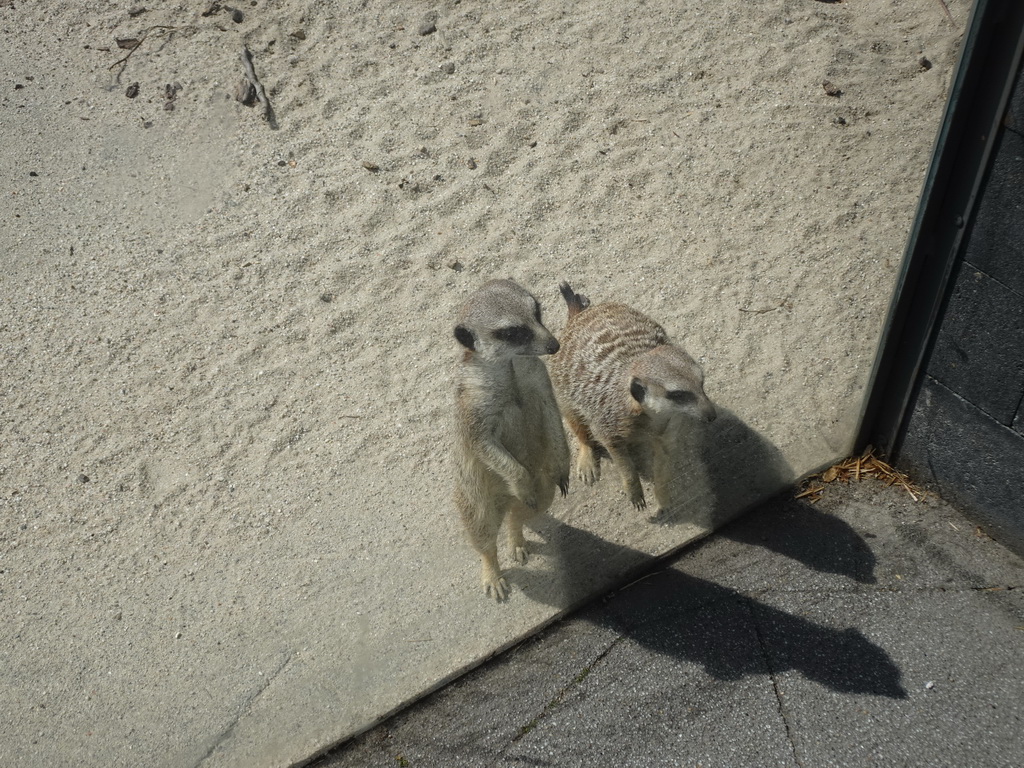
x: 465, y: 337
x: 637, y: 390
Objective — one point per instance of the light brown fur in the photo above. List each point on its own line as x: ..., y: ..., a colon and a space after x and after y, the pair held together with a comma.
x: 511, y: 451
x: 624, y: 388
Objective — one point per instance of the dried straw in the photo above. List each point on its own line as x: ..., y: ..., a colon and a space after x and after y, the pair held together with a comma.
x: 856, y: 468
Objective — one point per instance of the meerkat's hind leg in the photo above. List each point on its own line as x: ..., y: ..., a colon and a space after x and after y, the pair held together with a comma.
x: 518, y: 514
x: 666, y: 492
x: 588, y: 463
x: 490, y: 575
x: 482, y: 525
x: 561, y: 460
x: 630, y: 477
x: 516, y: 540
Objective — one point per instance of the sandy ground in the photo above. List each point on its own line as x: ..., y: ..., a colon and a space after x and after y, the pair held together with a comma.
x: 226, y: 342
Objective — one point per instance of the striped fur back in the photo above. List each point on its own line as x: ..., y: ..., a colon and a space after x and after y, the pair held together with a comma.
x: 591, y: 370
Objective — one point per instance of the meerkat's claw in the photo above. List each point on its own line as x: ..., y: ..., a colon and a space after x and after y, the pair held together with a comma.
x: 638, y: 500
x: 563, y: 485
x: 520, y: 554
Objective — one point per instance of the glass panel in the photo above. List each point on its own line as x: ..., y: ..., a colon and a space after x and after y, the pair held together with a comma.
x: 236, y: 242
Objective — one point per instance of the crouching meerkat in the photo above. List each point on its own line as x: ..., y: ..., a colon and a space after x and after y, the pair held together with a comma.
x: 623, y: 387
x: 511, y: 451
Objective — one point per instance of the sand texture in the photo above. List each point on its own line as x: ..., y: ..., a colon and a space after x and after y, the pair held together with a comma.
x: 226, y: 353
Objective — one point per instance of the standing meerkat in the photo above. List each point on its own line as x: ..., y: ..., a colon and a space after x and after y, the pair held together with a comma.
x: 511, y: 451
x: 622, y: 386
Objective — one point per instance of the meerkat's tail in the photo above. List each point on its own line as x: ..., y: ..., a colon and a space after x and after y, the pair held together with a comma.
x: 577, y: 302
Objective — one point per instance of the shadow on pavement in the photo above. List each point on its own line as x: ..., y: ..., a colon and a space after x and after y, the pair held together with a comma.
x: 800, y: 532
x: 729, y: 633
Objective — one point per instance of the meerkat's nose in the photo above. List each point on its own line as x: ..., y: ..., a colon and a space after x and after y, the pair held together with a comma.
x: 553, y: 346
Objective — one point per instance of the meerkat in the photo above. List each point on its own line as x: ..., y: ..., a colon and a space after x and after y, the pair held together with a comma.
x: 624, y: 388
x: 511, y: 450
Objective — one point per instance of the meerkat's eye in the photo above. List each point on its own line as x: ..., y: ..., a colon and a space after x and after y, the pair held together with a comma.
x: 681, y: 396
x: 517, y: 335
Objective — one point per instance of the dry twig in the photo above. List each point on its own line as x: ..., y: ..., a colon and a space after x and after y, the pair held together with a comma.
x: 948, y: 14
x: 784, y: 304
x: 250, y: 73
x: 137, y: 44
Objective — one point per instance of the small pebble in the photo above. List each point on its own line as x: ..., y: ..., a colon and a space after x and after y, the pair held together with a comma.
x: 448, y: 68
x: 830, y: 89
x: 245, y: 92
x: 169, y: 106
x: 132, y: 91
x: 237, y: 16
x: 471, y: 164
x: 371, y: 167
x: 924, y: 64
x: 427, y: 28
x: 83, y: 478
x: 475, y: 121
